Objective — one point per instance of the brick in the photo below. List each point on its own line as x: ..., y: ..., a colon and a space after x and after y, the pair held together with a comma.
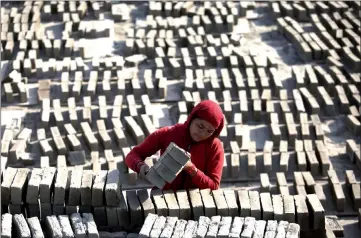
x: 146, y: 202
x: 267, y: 207
x: 154, y: 177
x: 213, y: 226
x: 224, y: 227
x: 134, y: 208
x: 289, y: 208
x: 75, y: 187
x: 18, y: 188
x: 221, y: 204
x: 8, y: 178
x: 249, y: 227
x: 203, y: 225
x: 244, y: 203
x: 339, y: 196
x: 53, y: 226
x: 293, y: 230
x: 278, y: 207
x: 252, y: 164
x: 35, y: 227
x: 171, y: 200
x: 302, y: 212
x: 196, y: 203
x: 159, y: 202
x: 317, y: 212
x: 112, y: 188
x: 32, y: 192
x: 231, y: 200
x: 158, y: 226
x: 333, y: 224
x: 78, y: 225
x: 65, y: 226
x: 237, y: 226
x: 20, y: 227
x: 184, y: 206
x: 301, y: 161
x: 265, y: 183
x: 284, y: 159
x: 210, y: 208
x: 6, y: 225
x: 76, y: 157
x: 98, y: 188
x: 169, y: 227
x: 147, y: 226
x: 255, y: 204
x: 309, y: 182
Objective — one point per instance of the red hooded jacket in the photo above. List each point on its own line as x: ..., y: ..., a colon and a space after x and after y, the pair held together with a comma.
x: 207, y: 155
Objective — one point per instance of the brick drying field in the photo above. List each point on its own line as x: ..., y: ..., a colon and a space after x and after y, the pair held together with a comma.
x: 84, y: 82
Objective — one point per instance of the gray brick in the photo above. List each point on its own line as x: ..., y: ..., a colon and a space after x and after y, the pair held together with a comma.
x: 159, y: 202
x: 302, y: 212
x: 74, y: 188
x: 277, y: 202
x: 122, y: 211
x: 289, y: 208
x: 172, y: 203
x: 184, y: 206
x: 146, y: 202
x: 76, y: 157
x: 18, y: 186
x: 78, y: 225
x: 135, y: 208
x: 164, y: 172
x: 301, y: 161
x: 312, y: 162
x: 154, y: 177
x: 177, y: 153
x: 252, y: 164
x: 98, y: 188
x: 169, y: 227
x: 60, y: 186
x: 284, y: 159
x: 20, y: 227
x: 209, y: 204
x: 298, y: 179
x: 196, y: 203
x: 236, y: 227
x: 65, y: 226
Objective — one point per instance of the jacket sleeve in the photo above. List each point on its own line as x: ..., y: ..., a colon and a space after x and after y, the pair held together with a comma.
x: 151, y: 144
x: 212, y: 179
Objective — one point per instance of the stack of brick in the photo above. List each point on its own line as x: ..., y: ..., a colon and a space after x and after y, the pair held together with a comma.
x: 74, y: 225
x: 169, y: 165
x: 216, y: 226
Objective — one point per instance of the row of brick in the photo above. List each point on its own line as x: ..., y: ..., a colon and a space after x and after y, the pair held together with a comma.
x: 216, y: 226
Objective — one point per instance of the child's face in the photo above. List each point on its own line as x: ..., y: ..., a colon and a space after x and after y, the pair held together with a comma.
x: 201, y: 129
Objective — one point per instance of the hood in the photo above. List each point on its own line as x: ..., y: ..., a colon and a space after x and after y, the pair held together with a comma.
x: 209, y: 111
